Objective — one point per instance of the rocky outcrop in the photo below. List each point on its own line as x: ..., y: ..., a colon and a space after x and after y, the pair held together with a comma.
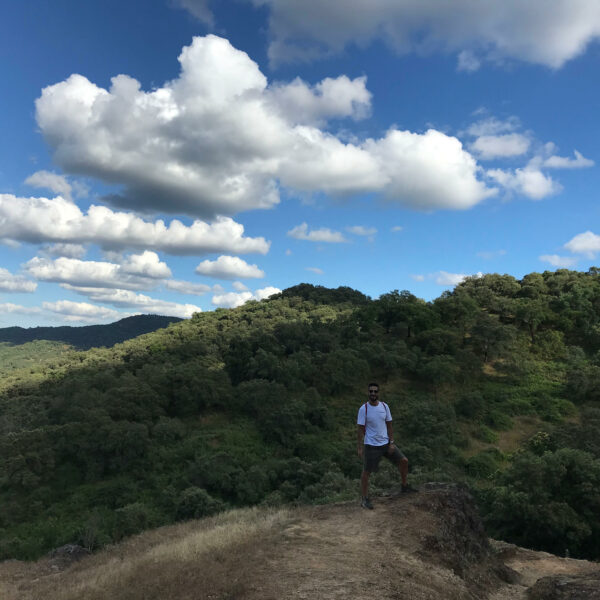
x: 459, y: 541
x: 571, y: 587
x: 61, y: 558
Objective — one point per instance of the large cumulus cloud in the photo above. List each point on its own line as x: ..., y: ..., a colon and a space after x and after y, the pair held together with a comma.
x: 219, y: 139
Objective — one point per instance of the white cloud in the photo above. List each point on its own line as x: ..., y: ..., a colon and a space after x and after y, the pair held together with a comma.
x: 467, y: 61
x: 9, y: 307
x: 449, y: 279
x: 219, y: 139
x: 428, y: 171
x: 362, y: 230
x: 68, y: 250
x: 83, y: 311
x: 500, y: 146
x: 535, y: 31
x: 129, y: 299
x: 563, y: 162
x: 397, y: 228
x: 315, y: 270
x: 528, y: 181
x: 146, y: 264
x: 187, y: 287
x: 39, y: 220
x: 288, y: 252
x: 587, y: 243
x: 15, y: 283
x: 199, y: 8
x: 330, y: 98
x: 229, y: 267
x: 493, y: 126
x: 137, y: 272
x: 233, y: 299
x: 301, y: 232
x: 266, y: 292
x: 51, y: 181
x: 238, y: 286
x: 418, y: 277
x: 558, y: 261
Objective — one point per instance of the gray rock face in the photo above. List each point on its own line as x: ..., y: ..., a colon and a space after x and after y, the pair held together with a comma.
x: 61, y: 558
x: 571, y: 587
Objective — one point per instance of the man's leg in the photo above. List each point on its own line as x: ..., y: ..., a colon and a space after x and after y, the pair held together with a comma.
x: 364, y: 483
x: 403, y: 468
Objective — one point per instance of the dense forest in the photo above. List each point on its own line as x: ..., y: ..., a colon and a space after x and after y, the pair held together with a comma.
x: 496, y: 384
x: 88, y: 336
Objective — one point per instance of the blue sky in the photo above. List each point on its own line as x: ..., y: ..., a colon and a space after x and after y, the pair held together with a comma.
x: 170, y: 156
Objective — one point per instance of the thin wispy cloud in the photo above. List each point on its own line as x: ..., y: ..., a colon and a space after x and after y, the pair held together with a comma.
x: 562, y: 262
x: 324, y: 234
x: 362, y: 230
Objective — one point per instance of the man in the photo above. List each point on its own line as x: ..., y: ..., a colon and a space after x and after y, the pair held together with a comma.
x: 376, y: 439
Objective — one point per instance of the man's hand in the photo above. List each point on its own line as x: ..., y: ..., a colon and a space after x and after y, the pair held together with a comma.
x: 391, y: 448
x: 360, y: 451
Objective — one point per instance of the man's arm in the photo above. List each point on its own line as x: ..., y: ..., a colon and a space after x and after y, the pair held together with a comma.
x: 360, y: 436
x: 390, y: 433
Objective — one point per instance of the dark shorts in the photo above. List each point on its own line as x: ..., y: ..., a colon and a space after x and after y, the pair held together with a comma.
x: 372, y: 456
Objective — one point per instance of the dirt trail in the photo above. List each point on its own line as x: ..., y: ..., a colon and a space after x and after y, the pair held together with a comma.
x: 343, y: 551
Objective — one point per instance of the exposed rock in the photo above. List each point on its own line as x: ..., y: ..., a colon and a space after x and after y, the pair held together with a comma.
x: 571, y: 587
x: 61, y: 558
x: 460, y: 542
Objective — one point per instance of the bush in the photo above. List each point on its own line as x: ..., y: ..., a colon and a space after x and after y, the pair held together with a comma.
x: 548, y: 502
x: 470, y: 406
x: 131, y: 519
x: 484, y: 465
x: 195, y: 502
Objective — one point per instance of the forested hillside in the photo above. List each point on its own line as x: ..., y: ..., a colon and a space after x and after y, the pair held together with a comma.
x: 496, y: 383
x: 88, y: 336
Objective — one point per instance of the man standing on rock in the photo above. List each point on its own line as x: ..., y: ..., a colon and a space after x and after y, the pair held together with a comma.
x: 376, y: 439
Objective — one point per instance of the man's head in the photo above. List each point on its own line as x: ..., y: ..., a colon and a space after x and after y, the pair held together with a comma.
x: 373, y: 391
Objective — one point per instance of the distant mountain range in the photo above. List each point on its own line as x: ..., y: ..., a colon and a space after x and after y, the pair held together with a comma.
x: 89, y: 336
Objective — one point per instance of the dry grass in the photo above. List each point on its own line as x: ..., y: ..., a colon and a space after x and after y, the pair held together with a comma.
x: 200, y: 560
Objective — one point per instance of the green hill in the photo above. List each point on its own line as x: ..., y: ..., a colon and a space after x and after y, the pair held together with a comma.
x: 496, y: 384
x: 88, y: 336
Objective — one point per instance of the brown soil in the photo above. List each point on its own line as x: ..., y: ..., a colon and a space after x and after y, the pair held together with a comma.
x: 396, y: 551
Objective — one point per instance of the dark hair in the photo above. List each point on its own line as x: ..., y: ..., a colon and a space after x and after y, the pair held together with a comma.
x: 374, y: 384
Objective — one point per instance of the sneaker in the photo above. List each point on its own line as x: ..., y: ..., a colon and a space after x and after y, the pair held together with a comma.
x: 406, y: 489
x: 366, y: 503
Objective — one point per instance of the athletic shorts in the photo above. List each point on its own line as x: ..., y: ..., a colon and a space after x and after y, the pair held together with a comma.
x: 372, y: 456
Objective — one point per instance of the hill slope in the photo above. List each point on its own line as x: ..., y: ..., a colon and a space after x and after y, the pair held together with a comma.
x: 429, y: 545
x: 89, y: 336
x: 496, y: 384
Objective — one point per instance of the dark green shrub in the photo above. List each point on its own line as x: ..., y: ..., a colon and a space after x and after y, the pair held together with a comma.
x: 195, y: 502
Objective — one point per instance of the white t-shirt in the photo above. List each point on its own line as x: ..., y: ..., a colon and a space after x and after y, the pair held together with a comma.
x: 376, y: 429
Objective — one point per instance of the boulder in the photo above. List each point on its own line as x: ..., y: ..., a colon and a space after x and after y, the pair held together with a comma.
x: 566, y: 587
